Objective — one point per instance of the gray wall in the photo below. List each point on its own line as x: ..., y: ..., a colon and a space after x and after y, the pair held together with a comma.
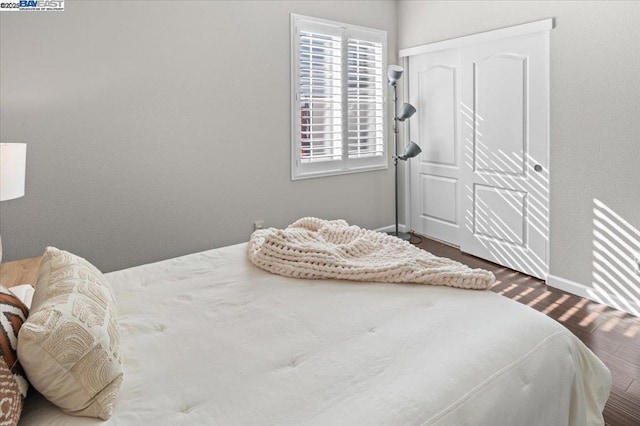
x: 595, y: 115
x: 135, y: 112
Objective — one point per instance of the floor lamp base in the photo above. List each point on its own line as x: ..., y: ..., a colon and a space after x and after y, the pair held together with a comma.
x: 401, y: 235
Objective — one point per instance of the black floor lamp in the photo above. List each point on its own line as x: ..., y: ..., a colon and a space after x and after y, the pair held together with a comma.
x: 411, y: 150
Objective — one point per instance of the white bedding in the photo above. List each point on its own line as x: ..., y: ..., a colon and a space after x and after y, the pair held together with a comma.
x: 211, y: 339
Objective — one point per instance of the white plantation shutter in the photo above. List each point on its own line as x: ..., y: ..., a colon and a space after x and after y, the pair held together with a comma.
x: 320, y: 94
x: 365, y: 99
x: 338, y: 98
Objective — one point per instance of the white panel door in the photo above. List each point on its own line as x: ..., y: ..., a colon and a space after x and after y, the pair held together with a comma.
x: 434, y: 79
x: 504, y: 112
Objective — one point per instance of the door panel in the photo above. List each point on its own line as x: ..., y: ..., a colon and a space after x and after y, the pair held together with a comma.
x: 505, y: 178
x: 506, y: 227
x: 434, y: 81
x: 500, y: 82
x: 438, y: 84
x: 444, y: 190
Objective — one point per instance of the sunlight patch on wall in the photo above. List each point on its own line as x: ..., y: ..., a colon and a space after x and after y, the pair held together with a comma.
x: 615, y: 245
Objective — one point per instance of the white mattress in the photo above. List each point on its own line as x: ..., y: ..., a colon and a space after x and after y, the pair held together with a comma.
x: 210, y: 339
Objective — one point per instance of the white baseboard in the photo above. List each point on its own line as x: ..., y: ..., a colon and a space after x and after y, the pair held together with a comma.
x: 568, y: 286
x: 391, y: 228
x: 596, y: 294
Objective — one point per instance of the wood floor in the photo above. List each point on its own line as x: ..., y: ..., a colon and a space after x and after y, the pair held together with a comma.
x: 612, y: 335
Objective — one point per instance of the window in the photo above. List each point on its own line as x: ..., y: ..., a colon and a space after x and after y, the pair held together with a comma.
x: 338, y: 98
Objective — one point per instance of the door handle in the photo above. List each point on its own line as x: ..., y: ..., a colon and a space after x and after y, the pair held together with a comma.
x: 537, y: 168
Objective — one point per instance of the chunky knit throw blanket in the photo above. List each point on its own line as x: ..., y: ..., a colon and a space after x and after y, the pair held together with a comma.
x: 331, y: 249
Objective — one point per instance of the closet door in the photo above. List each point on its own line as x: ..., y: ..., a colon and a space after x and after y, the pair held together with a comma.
x: 434, y: 81
x: 504, y: 111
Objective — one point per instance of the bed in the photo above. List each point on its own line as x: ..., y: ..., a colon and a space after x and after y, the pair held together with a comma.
x: 209, y: 338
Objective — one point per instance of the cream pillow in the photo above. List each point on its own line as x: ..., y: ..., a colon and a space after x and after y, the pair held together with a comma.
x: 69, y: 345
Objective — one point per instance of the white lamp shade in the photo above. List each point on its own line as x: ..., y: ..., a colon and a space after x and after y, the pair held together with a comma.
x: 406, y: 111
x: 394, y: 73
x: 410, y: 151
x: 13, y: 161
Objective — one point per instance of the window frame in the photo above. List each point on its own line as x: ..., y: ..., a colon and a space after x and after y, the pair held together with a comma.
x: 345, y: 165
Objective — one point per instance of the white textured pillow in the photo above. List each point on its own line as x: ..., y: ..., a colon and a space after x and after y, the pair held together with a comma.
x: 69, y: 345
